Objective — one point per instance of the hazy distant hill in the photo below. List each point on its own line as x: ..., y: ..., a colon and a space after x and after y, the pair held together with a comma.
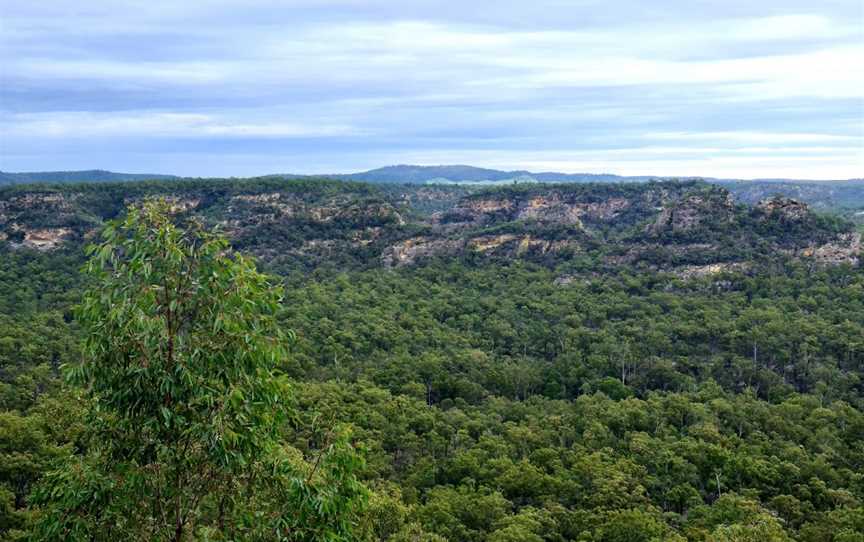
x: 459, y: 173
x: 821, y: 195
x: 89, y: 176
x: 421, y: 174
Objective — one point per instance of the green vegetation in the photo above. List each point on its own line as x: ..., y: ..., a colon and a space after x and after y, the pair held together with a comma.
x: 545, y: 397
x: 185, y: 406
x: 838, y: 196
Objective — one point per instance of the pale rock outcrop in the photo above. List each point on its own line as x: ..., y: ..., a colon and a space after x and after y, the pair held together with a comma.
x: 518, y: 245
x: 551, y: 209
x: 45, y: 238
x: 409, y: 250
x: 488, y: 243
x: 784, y: 208
x: 698, y: 271
x: 366, y: 236
x: 693, y: 211
x: 846, y: 248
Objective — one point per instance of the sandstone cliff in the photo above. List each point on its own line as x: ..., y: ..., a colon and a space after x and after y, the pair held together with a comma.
x: 693, y: 228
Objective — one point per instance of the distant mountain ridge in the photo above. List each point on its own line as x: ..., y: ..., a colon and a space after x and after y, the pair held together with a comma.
x: 87, y: 176
x: 470, y: 174
x: 398, y: 174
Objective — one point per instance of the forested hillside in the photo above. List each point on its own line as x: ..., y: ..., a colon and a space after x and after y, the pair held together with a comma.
x: 657, y: 225
x: 592, y: 362
x: 840, y: 196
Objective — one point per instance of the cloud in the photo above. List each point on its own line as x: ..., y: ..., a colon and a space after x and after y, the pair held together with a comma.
x: 465, y: 57
x: 774, y: 138
x: 347, y: 82
x: 159, y: 124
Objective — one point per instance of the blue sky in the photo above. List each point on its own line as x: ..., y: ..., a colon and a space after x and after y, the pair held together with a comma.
x: 747, y: 89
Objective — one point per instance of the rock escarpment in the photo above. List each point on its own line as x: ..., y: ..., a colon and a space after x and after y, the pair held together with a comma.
x: 552, y: 207
x: 711, y: 209
x: 784, y: 209
x: 40, y: 220
x: 690, y: 228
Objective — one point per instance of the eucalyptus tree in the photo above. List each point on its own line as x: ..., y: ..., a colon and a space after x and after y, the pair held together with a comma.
x: 187, y: 405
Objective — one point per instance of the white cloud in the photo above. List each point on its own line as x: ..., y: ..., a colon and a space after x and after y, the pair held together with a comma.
x: 830, y: 73
x: 82, y: 124
x: 120, y: 74
x: 774, y: 138
x: 455, y: 57
x: 787, y: 27
x: 702, y: 92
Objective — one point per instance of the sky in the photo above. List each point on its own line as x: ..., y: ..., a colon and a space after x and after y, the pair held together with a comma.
x: 736, y: 89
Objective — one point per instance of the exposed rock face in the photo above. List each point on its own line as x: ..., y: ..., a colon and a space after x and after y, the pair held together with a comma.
x: 620, y: 225
x: 354, y: 213
x: 486, y: 206
x: 508, y: 245
x: 488, y: 243
x: 268, y: 197
x: 176, y: 204
x: 45, y: 238
x: 253, y: 209
x: 274, y: 206
x: 603, y: 211
x: 557, y: 210
x: 564, y: 280
x: 475, y: 211
x: 530, y: 244
x: 551, y: 208
x: 784, y: 208
x: 694, y: 211
x: 845, y: 249
x: 53, y: 213
x: 41, y: 199
x: 366, y: 236
x: 410, y: 250
x: 694, y: 271
x: 518, y: 245
x: 56, y: 206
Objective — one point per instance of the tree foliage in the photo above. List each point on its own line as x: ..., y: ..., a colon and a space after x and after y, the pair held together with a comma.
x: 545, y: 397
x: 187, y: 402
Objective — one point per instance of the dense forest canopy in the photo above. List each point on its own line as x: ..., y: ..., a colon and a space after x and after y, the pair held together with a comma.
x: 627, y: 362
